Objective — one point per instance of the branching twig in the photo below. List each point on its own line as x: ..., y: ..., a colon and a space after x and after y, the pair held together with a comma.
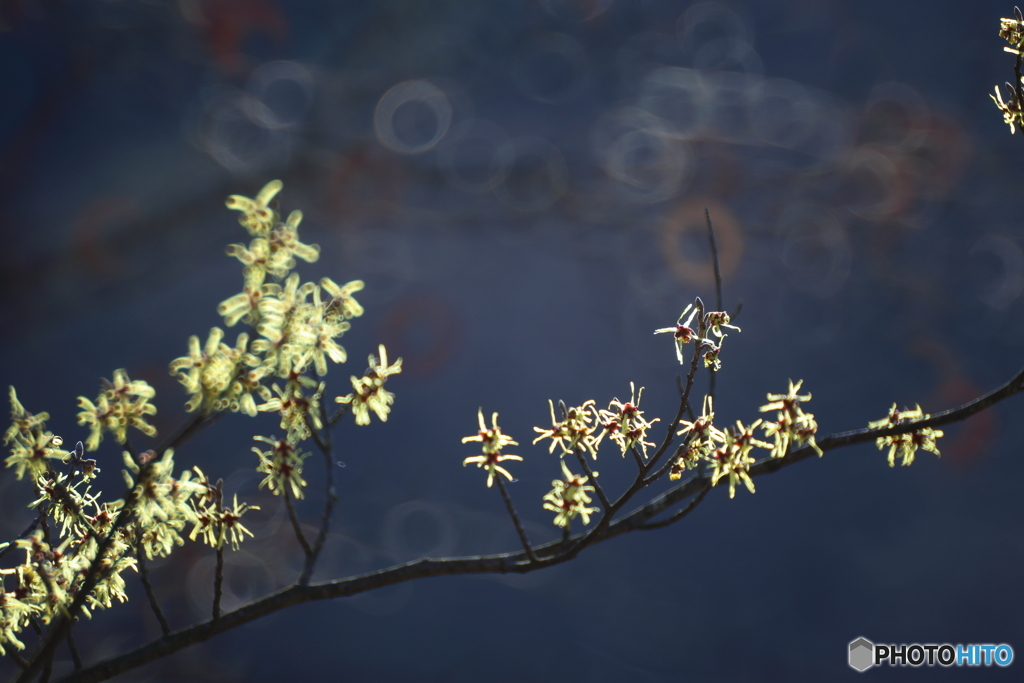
x: 515, y: 520
x: 681, y: 513
x: 540, y: 557
x: 75, y: 657
x: 684, y: 396
x: 331, y: 497
x: 140, y: 560
x: 295, y: 523
x: 713, y: 375
x: 59, y: 626
x: 593, y: 478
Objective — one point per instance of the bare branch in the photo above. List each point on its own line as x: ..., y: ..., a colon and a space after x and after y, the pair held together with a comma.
x: 140, y: 560
x: 515, y: 520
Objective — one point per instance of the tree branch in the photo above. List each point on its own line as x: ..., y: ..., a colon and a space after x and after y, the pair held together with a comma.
x: 538, y: 557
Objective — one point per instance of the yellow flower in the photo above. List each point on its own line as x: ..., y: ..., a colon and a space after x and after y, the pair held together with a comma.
x: 906, y: 445
x: 1013, y: 113
x: 22, y: 421
x: 569, y: 498
x: 702, y: 442
x: 716, y: 320
x: 282, y: 464
x: 574, y: 429
x: 733, y: 460
x: 341, y: 303
x: 31, y: 443
x: 1012, y: 31
x: 257, y: 216
x: 793, y: 425
x: 492, y: 441
x: 627, y: 426
x: 219, y: 526
x: 208, y: 373
x: 368, y: 391
x: 121, y: 404
x: 298, y: 410
x: 682, y: 332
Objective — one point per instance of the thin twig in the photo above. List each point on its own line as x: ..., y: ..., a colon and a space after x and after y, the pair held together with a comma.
x: 345, y: 407
x: 1018, y: 86
x: 330, y: 498
x: 515, y: 519
x: 712, y: 373
x: 714, y: 260
x: 218, y: 574
x: 18, y: 659
x: 218, y: 583
x: 140, y: 561
x: 295, y: 523
x: 47, y: 668
x: 636, y: 456
x: 75, y: 657
x: 28, y: 530
x: 681, y: 513
x: 593, y: 479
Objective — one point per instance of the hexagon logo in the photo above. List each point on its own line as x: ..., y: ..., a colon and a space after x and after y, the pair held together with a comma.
x: 862, y: 654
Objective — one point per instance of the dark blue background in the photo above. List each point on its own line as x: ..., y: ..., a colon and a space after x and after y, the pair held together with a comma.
x: 877, y: 253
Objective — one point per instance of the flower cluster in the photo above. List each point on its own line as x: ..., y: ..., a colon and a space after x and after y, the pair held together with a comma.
x: 32, y: 445
x: 49, y: 578
x: 906, y: 445
x: 368, y: 392
x: 217, y: 524
x: 1012, y: 31
x: 297, y: 323
x: 569, y: 498
x: 703, y: 437
x: 219, y: 377
x: 121, y: 404
x: 160, y: 502
x: 275, y: 242
x: 492, y: 441
x: 733, y: 460
x: 282, y: 463
x: 625, y: 423
x: 53, y: 572
x: 576, y: 429
x: 299, y: 411
x: 683, y: 334
x: 793, y: 426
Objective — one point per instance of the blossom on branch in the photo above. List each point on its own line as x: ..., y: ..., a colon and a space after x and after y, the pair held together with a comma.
x: 575, y: 429
x: 282, y: 463
x: 121, y: 404
x: 625, y: 422
x: 569, y: 498
x: 369, y: 393
x: 906, y: 445
x: 793, y: 425
x: 682, y: 332
x: 492, y: 441
x: 733, y: 460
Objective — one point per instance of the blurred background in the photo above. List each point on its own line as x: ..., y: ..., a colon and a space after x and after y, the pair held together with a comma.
x: 522, y: 185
